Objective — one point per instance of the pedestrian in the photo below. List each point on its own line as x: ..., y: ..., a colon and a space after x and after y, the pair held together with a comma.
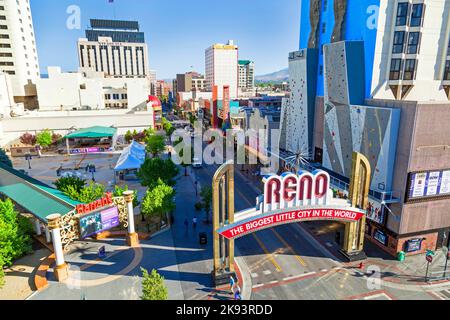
x: 194, y: 222
x: 232, y: 283
x: 237, y: 294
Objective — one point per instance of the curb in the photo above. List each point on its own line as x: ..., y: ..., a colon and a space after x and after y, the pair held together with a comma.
x: 40, y: 278
x: 245, y: 278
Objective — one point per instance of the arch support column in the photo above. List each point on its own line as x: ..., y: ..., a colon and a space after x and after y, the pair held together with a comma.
x: 61, y: 270
x: 353, y: 247
x: 132, y: 236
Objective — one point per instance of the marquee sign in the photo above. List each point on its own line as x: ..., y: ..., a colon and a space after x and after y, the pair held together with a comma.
x: 106, y: 201
x: 294, y: 198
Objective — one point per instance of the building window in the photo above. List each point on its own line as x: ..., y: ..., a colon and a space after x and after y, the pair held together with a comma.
x: 416, y: 15
x: 5, y: 45
x: 124, y: 96
x: 402, y: 14
x: 5, y: 54
x: 6, y: 63
x: 413, y: 43
x: 410, y: 69
x: 396, y: 69
x: 116, y: 96
x: 4, y: 36
x: 447, y: 70
x: 399, y: 42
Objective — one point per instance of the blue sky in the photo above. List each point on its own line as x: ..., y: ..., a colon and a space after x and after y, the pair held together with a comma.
x: 177, y: 31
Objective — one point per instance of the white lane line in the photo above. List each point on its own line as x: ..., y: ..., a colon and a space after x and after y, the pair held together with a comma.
x: 323, y: 270
x: 258, y: 285
x: 299, y: 276
x: 267, y: 272
x: 273, y: 282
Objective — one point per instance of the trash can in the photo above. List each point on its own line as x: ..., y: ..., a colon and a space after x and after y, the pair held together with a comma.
x: 203, y: 238
x: 401, y: 256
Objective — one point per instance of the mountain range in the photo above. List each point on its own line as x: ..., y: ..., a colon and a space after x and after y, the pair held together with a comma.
x: 279, y: 76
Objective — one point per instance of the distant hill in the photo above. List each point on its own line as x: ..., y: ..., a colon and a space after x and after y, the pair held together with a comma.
x: 279, y: 76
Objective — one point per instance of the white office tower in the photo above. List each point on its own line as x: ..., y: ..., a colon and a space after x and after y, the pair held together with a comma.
x: 246, y: 75
x: 221, y: 66
x: 116, y: 48
x: 18, y: 54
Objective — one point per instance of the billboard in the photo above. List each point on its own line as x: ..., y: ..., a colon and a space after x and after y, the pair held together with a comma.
x: 429, y: 184
x: 98, y: 221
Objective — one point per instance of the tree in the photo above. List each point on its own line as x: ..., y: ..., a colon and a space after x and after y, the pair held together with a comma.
x: 15, y: 240
x: 28, y: 139
x: 44, y: 138
x: 206, y: 194
x: 128, y: 136
x: 156, y: 168
x: 153, y: 287
x: 86, y: 194
x: 4, y: 159
x: 158, y: 201
x: 155, y: 144
x: 63, y: 183
x: 118, y: 192
x: 168, y: 127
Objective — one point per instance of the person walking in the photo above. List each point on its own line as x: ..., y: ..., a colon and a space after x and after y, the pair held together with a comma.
x: 232, y: 283
x: 237, y: 293
x: 194, y: 222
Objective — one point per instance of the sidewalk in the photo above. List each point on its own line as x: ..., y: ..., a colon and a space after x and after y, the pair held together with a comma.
x: 194, y: 260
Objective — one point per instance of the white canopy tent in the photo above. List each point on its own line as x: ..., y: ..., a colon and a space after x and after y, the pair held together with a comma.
x: 131, y: 159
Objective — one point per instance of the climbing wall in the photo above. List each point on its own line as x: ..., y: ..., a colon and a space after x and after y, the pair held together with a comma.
x: 372, y: 131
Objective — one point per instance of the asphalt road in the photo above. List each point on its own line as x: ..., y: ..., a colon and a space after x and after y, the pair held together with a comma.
x: 285, y: 262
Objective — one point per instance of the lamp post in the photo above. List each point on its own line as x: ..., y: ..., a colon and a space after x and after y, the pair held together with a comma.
x: 28, y: 158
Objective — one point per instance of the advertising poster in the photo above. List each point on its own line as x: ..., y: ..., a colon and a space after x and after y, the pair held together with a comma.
x: 418, y: 181
x: 433, y: 183
x: 445, y: 183
x: 413, y: 245
x: 96, y: 222
x: 380, y: 236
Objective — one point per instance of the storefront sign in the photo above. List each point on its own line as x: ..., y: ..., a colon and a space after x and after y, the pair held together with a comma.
x: 413, y: 245
x: 89, y: 150
x: 381, y: 237
x: 265, y: 221
x: 429, y: 184
x: 96, y: 222
x: 100, y: 203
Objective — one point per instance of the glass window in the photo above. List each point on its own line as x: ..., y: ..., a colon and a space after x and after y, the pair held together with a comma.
x: 410, y: 69
x: 396, y: 69
x: 413, y: 43
x: 416, y: 15
x: 402, y: 14
x: 447, y: 70
x: 399, y: 42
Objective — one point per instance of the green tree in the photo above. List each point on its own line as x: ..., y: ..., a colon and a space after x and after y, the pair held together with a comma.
x: 128, y: 136
x: 153, y: 287
x: 86, y: 194
x: 158, y: 201
x: 206, y: 194
x: 168, y: 127
x: 63, y: 183
x: 44, y: 138
x: 156, y: 168
x: 155, y: 144
x: 15, y: 240
x: 118, y: 192
x: 5, y: 159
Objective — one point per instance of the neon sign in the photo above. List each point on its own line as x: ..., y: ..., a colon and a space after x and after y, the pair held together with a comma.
x: 107, y: 200
x: 290, y: 190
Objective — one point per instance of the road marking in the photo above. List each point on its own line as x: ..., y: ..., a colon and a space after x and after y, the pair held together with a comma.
x: 258, y: 285
x: 269, y: 255
x: 302, y: 262
x: 299, y: 276
x: 267, y: 272
x: 273, y: 282
x: 254, y: 275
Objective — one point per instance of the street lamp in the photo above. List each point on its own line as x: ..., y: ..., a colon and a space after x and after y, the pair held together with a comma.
x: 28, y: 158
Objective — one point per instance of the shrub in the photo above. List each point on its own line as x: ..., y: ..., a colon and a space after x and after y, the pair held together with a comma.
x: 153, y: 287
x: 28, y: 139
x: 63, y: 183
x: 44, y: 138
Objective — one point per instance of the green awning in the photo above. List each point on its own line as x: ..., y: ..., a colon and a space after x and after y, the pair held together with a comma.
x: 93, y: 132
x: 36, y: 197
